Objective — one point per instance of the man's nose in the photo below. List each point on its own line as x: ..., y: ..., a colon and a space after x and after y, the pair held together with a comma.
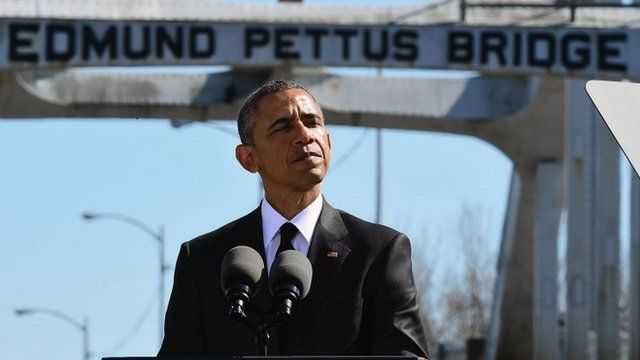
x: 303, y: 135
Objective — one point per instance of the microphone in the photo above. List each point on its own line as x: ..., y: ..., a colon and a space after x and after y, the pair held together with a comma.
x: 289, y: 281
x: 241, y: 270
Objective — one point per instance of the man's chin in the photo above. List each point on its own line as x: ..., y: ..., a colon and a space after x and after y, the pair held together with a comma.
x: 310, y: 180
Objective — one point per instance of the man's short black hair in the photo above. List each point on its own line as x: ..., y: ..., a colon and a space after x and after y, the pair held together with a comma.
x: 247, y: 114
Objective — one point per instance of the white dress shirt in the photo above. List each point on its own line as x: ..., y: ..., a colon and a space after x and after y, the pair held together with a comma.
x: 305, y: 221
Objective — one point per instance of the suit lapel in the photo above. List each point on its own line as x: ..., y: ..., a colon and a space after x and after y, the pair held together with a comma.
x: 248, y: 232
x: 327, y: 253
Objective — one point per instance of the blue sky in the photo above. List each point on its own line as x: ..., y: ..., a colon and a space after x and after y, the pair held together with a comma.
x: 186, y: 179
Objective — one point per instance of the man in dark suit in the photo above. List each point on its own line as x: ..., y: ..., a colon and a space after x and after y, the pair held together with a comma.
x: 362, y: 299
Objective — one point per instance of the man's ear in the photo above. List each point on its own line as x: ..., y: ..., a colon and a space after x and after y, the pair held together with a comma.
x: 244, y: 155
x: 329, y: 140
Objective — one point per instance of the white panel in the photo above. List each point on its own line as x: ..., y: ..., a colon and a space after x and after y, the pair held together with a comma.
x: 619, y: 105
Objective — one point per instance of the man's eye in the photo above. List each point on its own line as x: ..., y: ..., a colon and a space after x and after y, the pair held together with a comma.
x: 280, y: 127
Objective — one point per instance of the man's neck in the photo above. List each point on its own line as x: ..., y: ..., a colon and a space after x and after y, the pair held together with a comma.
x: 289, y: 204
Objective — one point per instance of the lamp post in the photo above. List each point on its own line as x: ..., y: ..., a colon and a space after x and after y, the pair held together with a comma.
x: 158, y: 236
x: 82, y: 326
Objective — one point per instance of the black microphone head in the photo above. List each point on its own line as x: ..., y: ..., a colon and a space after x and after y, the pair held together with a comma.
x: 293, y: 268
x: 241, y: 265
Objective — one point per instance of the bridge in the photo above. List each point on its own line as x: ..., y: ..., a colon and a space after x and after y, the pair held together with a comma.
x: 526, y: 97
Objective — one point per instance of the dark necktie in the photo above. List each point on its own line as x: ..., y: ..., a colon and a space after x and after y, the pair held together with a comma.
x: 287, y: 232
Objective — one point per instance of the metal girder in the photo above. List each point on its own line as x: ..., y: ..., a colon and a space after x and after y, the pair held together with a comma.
x: 634, y: 274
x: 593, y: 280
x: 512, y: 329
x: 113, y: 89
x: 207, y: 10
x: 516, y: 333
x: 546, y: 341
x: 519, y: 115
x: 607, y: 242
x: 475, y: 98
x: 524, y: 312
x: 440, y: 12
x: 504, y: 258
x: 579, y: 162
x: 202, y: 96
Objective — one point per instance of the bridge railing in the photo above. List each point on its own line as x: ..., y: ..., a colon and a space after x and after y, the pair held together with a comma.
x: 572, y: 5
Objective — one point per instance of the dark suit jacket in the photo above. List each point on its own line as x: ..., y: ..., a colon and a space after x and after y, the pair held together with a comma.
x: 362, y: 302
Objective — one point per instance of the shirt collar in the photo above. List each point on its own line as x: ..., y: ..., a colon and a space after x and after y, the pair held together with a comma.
x: 305, y: 221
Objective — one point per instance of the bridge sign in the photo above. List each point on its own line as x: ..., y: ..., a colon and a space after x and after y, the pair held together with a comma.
x: 572, y: 51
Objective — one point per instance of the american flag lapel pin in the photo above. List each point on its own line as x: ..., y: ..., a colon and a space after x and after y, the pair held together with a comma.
x: 332, y: 254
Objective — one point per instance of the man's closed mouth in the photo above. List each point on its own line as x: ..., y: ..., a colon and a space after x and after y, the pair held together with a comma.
x: 306, y: 155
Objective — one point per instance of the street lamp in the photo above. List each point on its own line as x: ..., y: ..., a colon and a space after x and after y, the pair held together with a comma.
x: 82, y: 326
x: 158, y: 236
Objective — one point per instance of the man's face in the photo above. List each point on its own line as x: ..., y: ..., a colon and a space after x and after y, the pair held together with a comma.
x: 291, y: 146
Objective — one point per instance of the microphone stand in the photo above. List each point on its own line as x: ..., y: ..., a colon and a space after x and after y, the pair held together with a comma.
x: 261, y: 331
x: 262, y: 339
x: 285, y: 296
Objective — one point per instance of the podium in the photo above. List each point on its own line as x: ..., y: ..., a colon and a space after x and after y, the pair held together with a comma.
x: 313, y: 357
